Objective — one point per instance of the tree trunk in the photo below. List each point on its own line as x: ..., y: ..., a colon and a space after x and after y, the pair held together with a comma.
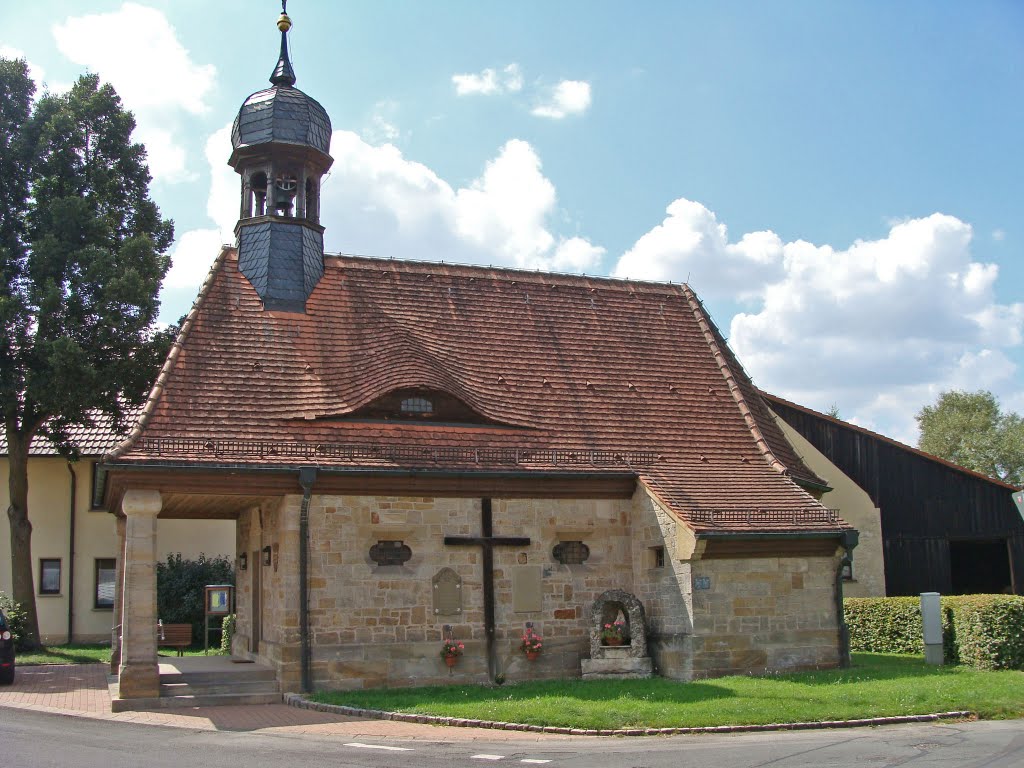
x: 21, y: 536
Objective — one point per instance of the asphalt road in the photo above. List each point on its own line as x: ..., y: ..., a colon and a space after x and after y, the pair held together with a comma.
x: 35, y: 740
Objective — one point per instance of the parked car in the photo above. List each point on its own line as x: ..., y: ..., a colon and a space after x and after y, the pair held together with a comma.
x: 6, y: 651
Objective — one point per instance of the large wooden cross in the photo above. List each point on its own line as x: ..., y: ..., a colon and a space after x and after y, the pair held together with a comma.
x: 488, y: 541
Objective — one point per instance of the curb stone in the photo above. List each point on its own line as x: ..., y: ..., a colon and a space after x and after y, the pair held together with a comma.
x: 296, y: 700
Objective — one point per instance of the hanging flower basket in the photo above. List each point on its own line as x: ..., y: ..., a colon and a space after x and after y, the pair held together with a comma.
x: 532, y: 643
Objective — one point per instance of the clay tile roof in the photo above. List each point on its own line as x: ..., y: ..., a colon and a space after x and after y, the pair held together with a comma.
x: 592, y: 375
x: 94, y: 440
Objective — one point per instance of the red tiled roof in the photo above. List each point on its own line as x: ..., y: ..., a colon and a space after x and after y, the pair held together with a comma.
x: 577, y: 374
x: 94, y: 440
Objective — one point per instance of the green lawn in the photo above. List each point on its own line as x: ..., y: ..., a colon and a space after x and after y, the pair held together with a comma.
x: 87, y: 653
x: 876, y: 685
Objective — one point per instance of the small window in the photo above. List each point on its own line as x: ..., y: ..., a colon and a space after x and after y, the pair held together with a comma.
x: 49, y: 576
x: 99, y: 486
x: 390, y: 553
x: 657, y: 557
x: 106, y: 575
x: 417, y: 406
x: 571, y: 552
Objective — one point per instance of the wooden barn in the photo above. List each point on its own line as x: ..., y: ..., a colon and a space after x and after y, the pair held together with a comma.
x: 944, y: 528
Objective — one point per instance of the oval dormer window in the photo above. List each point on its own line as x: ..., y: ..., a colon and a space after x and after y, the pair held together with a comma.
x: 417, y: 406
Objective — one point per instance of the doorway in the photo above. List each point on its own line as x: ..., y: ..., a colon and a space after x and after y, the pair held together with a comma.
x: 980, y: 566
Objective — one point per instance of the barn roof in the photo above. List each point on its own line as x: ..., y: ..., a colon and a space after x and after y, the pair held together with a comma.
x: 563, y: 373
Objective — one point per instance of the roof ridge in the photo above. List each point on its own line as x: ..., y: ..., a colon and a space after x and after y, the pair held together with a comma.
x: 711, y: 336
x: 519, y: 272
x: 172, y: 357
x: 892, y: 441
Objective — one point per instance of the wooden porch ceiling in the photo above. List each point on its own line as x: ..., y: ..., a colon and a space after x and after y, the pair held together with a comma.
x: 223, y: 494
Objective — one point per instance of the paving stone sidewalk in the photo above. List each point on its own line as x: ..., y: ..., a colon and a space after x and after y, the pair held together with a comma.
x: 80, y: 690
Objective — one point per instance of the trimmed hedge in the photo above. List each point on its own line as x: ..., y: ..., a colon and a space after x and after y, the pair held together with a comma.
x: 983, y: 631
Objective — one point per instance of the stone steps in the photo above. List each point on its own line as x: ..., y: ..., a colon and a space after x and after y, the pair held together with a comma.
x: 241, y: 685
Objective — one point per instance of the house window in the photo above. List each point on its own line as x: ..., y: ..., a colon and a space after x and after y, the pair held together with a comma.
x: 416, y: 406
x: 106, y: 575
x: 657, y: 557
x: 49, y: 576
x: 99, y: 483
x: 390, y: 553
x: 571, y: 552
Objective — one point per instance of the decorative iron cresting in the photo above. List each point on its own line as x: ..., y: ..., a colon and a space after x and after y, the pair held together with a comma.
x: 389, y: 454
x: 795, y: 516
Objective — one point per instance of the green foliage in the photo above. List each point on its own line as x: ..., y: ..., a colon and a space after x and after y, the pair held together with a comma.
x: 969, y: 429
x: 984, y: 631
x: 179, y: 589
x: 15, y: 620
x: 227, y: 633
x: 83, y: 250
x: 990, y: 630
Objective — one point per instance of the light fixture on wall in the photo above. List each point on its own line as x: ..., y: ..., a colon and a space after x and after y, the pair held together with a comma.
x: 267, y: 555
x: 243, y: 561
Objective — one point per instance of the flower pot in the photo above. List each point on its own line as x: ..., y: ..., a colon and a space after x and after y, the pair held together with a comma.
x: 532, y: 655
x: 613, y: 641
x: 451, y: 660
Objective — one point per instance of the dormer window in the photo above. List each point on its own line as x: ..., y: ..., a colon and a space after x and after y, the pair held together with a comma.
x: 417, y: 406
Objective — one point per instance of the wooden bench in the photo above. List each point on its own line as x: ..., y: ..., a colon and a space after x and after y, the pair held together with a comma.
x: 174, y: 635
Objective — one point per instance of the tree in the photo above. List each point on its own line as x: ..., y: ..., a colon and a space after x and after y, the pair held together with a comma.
x: 969, y: 429
x: 179, y: 588
x: 82, y: 255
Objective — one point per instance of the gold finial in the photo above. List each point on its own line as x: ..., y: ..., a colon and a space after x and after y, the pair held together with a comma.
x: 284, y: 23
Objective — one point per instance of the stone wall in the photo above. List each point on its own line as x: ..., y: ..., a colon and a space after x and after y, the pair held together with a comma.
x: 762, y: 615
x: 374, y: 625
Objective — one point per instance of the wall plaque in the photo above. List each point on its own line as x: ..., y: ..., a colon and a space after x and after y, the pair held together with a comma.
x: 447, y: 588
x: 527, y: 590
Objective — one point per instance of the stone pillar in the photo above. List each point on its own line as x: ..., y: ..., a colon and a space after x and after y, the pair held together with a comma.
x: 139, y: 676
x: 115, y: 629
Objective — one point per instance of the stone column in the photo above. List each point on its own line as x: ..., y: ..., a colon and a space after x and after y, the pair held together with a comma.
x: 115, y: 629
x: 139, y: 676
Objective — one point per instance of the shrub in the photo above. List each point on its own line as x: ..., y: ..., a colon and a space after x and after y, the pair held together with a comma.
x: 990, y: 630
x: 227, y: 632
x: 179, y: 589
x: 985, y: 631
x: 15, y: 619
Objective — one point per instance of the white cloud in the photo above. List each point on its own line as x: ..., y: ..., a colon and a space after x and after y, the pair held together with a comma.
x: 569, y: 97
x: 879, y: 327
x: 998, y: 235
x: 381, y: 127
x: 191, y: 258
x: 381, y: 203
x: 489, y: 82
x: 137, y: 50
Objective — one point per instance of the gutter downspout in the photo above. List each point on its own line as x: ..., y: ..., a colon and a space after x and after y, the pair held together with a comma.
x: 71, y: 554
x: 307, y: 477
x: 850, y: 540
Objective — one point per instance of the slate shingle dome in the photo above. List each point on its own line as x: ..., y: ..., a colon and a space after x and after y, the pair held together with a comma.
x: 282, y: 114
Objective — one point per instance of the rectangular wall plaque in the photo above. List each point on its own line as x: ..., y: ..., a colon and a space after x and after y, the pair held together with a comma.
x: 527, y: 594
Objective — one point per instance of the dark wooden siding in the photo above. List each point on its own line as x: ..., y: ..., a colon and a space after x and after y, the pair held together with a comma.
x: 924, y: 503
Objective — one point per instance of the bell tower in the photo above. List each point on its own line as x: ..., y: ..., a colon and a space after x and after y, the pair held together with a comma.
x: 280, y: 147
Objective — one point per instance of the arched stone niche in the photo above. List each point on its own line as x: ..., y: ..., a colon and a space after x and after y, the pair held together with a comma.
x: 605, y: 610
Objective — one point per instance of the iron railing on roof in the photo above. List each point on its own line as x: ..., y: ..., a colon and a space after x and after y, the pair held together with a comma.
x: 393, y: 454
x: 765, y: 516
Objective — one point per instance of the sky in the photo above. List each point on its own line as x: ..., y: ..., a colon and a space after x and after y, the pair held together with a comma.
x: 841, y: 183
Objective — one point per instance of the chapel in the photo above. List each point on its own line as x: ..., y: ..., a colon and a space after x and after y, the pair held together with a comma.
x: 420, y: 451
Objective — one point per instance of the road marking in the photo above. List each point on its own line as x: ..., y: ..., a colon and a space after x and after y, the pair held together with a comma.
x: 378, y: 746
x: 487, y: 757
x: 528, y: 760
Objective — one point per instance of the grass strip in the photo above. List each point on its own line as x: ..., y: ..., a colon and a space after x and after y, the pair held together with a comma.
x: 86, y: 653
x: 877, y: 685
